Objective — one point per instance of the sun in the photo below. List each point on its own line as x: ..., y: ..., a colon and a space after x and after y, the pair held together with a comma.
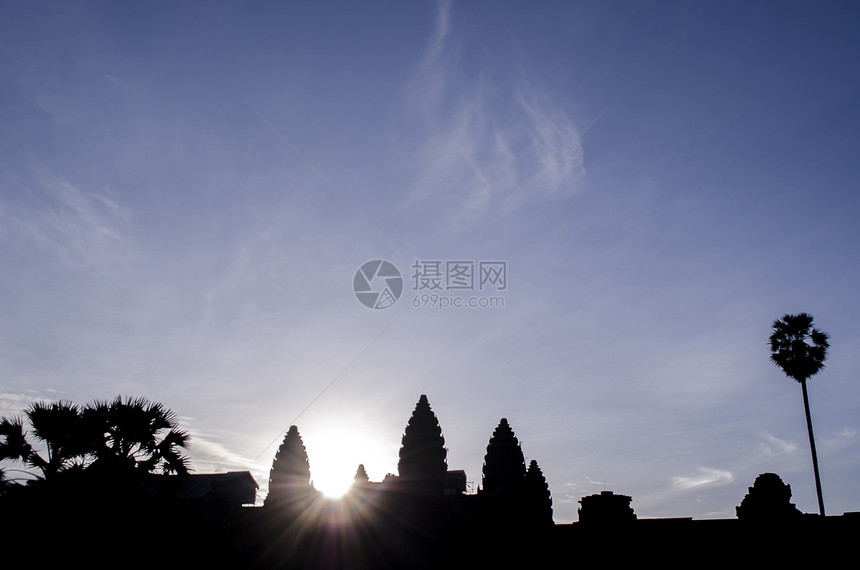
x: 335, y: 454
x: 332, y: 485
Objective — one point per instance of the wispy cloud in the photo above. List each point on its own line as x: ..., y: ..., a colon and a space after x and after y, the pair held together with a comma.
x: 573, y: 492
x: 840, y: 440
x: 487, y: 150
x: 208, y: 455
x: 80, y: 228
x: 773, y: 446
x: 555, y: 144
x: 569, y: 493
x: 428, y: 85
x: 14, y: 403
x: 707, y: 477
x: 116, y: 81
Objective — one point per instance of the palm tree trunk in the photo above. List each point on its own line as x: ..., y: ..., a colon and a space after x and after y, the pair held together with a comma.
x: 812, y: 445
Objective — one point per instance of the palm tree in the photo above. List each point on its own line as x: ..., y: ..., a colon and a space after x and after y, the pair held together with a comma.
x: 128, y: 434
x: 58, y: 426
x: 13, y: 441
x: 800, y: 351
x: 120, y: 435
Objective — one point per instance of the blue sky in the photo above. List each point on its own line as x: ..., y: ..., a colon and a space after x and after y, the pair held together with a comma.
x: 187, y: 191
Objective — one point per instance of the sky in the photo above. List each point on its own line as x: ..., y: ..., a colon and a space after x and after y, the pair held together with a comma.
x: 187, y: 191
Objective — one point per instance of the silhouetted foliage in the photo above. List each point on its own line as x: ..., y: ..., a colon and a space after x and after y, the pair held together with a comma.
x: 769, y: 499
x: 91, y: 473
x: 59, y: 427
x: 14, y: 445
x: 290, y: 476
x: 121, y: 435
x: 797, y: 348
x: 800, y: 350
x: 5, y: 483
x: 422, y: 464
x: 129, y: 434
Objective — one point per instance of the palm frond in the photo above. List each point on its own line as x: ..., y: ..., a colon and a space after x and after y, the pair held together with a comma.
x: 797, y: 348
x: 131, y: 430
x: 14, y: 445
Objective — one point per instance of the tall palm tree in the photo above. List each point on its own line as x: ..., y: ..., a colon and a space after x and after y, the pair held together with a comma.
x: 800, y: 350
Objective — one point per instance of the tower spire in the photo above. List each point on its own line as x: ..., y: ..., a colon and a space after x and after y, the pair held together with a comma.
x: 422, y: 464
x: 290, y: 476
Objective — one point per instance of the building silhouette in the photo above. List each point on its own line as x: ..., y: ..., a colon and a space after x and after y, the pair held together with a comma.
x: 290, y: 477
x: 420, y: 518
x: 422, y: 466
x: 606, y: 508
x: 423, y: 518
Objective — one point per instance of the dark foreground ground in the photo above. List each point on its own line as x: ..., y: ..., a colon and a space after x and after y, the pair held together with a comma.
x: 101, y: 530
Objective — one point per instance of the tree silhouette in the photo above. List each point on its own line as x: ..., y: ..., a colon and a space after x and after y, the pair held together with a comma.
x: 800, y: 350
x: 59, y: 427
x: 14, y: 445
x: 290, y: 476
x: 128, y: 435
x: 422, y: 465
x: 121, y: 435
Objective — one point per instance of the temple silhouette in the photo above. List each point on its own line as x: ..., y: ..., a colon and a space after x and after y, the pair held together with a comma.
x: 421, y: 517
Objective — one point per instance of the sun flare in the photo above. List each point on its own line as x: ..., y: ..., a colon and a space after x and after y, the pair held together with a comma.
x: 334, y: 456
x: 330, y: 473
